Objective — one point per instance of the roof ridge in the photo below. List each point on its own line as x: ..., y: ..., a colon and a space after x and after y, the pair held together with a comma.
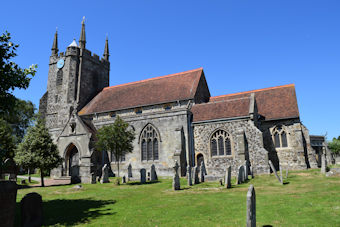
x: 220, y: 101
x: 155, y: 78
x: 251, y: 91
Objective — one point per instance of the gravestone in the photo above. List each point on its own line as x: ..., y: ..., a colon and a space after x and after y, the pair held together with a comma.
x: 142, y: 176
x: 203, y: 167
x: 202, y: 171
x: 124, y: 180
x: 153, y: 173
x: 287, y: 172
x: 274, y: 171
x: 93, y: 178
x: 196, y: 180
x: 281, y: 177
x: 323, y: 163
x: 241, y: 176
x: 189, y: 176
x: 221, y: 182
x: 105, y: 174
x: 227, y: 180
x: 31, y: 210
x: 251, y: 207
x: 176, y: 183
x: 129, y: 171
x: 246, y: 169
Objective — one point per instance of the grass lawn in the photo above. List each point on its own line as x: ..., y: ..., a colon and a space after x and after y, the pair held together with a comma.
x: 306, y: 199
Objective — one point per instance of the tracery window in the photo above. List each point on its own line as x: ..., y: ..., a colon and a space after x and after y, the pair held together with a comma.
x: 280, y: 137
x: 149, y: 143
x: 220, y: 143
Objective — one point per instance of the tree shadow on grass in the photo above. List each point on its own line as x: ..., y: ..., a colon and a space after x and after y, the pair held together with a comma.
x: 139, y: 183
x: 70, y: 212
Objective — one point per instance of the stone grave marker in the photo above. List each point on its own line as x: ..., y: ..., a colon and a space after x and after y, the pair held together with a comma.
x: 251, y: 207
x: 153, y: 173
x: 274, y: 170
x: 176, y: 182
x: 286, y: 172
x: 105, y: 174
x: 129, y: 171
x: 142, y: 176
x: 31, y: 210
x: 196, y: 180
x: 189, y: 176
x: 241, y: 176
x: 227, y: 181
x: 323, y: 163
x: 281, y: 177
x: 124, y: 180
x: 202, y: 171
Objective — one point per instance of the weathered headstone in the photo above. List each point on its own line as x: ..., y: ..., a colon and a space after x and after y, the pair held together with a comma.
x: 241, y: 176
x: 142, y: 176
x: 202, y: 171
x: 105, y: 174
x: 251, y: 207
x: 227, y: 181
x: 153, y: 173
x: 196, y: 180
x: 176, y: 182
x: 93, y: 178
x: 281, y: 177
x: 129, y: 171
x: 189, y: 175
x: 124, y: 180
x: 287, y: 172
x: 323, y: 163
x: 31, y: 210
x: 203, y: 167
x: 274, y: 171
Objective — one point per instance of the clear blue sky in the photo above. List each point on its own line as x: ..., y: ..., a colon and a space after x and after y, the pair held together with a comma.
x: 241, y: 44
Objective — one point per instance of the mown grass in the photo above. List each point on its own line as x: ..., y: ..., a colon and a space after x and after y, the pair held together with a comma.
x: 306, y: 199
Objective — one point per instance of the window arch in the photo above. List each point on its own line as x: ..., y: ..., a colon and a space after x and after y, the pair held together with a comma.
x: 149, y: 143
x: 279, y: 137
x: 220, y: 143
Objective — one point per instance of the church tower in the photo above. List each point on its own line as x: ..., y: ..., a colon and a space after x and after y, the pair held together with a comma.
x: 74, y: 78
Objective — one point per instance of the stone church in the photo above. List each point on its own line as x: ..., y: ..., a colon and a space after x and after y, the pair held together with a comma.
x: 174, y: 118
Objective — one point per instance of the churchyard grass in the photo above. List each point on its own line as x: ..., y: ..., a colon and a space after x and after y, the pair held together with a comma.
x: 307, y: 198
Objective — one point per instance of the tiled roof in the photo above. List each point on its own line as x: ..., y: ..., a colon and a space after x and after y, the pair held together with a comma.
x: 229, y: 108
x: 272, y: 103
x: 179, y: 86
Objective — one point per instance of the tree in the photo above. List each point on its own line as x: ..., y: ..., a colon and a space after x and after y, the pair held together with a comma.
x: 7, y: 144
x: 115, y: 138
x: 37, y: 150
x: 334, y: 145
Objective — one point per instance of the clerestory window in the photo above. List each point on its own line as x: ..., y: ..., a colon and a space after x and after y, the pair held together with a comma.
x: 149, y: 143
x: 220, y: 143
x: 280, y: 137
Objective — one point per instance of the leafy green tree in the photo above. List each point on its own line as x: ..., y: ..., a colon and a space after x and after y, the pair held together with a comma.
x: 334, y: 145
x: 37, y: 150
x: 11, y: 75
x: 7, y: 144
x: 115, y: 138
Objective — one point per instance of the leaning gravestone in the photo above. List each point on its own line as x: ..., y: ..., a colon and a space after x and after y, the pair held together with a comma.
x: 142, y: 176
x: 323, y: 163
x: 93, y: 178
x: 196, y: 180
x: 274, y: 170
x: 251, y: 207
x: 176, y: 183
x: 31, y: 210
x: 227, y: 181
x: 202, y: 171
x: 153, y: 173
x: 129, y: 171
x: 189, y: 176
x: 105, y: 174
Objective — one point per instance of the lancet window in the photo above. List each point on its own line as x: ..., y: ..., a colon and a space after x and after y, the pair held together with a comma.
x: 149, y: 141
x: 280, y: 137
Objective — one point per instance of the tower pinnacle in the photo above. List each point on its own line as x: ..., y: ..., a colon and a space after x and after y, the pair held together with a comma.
x: 55, y: 43
x: 82, y: 40
x: 106, y: 50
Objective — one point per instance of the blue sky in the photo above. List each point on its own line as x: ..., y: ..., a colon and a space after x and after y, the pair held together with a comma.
x: 242, y: 45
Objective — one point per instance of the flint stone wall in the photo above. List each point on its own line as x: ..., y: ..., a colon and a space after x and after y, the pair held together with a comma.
x: 216, y: 166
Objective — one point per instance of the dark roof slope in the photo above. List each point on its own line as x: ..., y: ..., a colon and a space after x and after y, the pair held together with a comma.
x: 179, y: 86
x: 272, y: 103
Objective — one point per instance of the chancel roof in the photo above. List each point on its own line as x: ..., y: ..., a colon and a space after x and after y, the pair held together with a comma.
x: 169, y: 88
x: 272, y: 103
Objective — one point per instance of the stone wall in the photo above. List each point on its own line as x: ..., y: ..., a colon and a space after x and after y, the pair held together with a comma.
x: 240, y: 131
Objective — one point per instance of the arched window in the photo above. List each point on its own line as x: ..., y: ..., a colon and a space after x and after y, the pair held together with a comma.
x: 280, y: 137
x: 220, y: 143
x: 149, y: 143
